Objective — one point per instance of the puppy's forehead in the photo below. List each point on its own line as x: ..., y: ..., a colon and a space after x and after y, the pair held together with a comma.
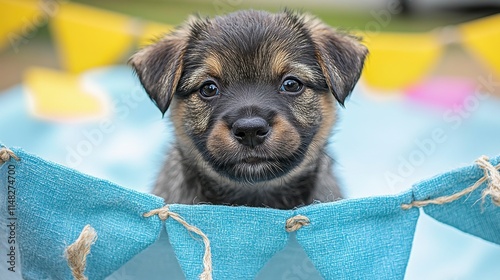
x: 251, y: 45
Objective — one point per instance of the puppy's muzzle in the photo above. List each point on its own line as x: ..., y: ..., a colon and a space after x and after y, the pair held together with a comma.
x: 251, y: 132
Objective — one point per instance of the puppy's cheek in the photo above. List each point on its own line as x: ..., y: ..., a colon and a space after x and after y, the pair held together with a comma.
x: 177, y: 113
x: 196, y: 115
x: 284, y: 139
x: 328, y: 111
x: 327, y: 108
x: 305, y: 109
x: 220, y: 144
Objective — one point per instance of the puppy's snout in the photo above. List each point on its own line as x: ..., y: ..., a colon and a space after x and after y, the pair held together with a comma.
x: 251, y: 131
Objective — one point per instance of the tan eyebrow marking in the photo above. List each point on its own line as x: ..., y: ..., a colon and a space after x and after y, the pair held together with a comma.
x: 281, y: 64
x: 214, y: 66
x: 195, y: 78
x: 302, y: 70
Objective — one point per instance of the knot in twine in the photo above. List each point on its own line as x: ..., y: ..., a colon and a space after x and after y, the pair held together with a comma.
x: 164, y: 213
x: 6, y: 155
x: 296, y: 222
x: 491, y: 174
x: 76, y: 253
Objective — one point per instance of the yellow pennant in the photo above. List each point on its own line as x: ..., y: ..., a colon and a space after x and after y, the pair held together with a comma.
x: 397, y: 60
x: 482, y: 37
x: 19, y: 22
x: 153, y: 31
x: 89, y: 37
x: 59, y: 96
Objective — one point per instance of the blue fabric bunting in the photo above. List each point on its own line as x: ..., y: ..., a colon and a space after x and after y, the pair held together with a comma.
x: 349, y: 239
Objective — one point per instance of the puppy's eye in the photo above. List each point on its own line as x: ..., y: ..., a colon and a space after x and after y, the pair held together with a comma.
x: 209, y: 90
x: 291, y: 86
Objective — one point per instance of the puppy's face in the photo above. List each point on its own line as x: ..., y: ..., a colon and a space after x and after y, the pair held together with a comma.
x: 252, y: 94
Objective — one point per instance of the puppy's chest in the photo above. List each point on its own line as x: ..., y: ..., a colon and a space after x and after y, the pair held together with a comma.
x: 284, y: 196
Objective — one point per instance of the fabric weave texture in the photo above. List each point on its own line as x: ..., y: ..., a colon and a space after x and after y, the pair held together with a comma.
x: 349, y: 239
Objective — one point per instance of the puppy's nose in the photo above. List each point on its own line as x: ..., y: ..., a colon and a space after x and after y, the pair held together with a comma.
x: 250, y: 131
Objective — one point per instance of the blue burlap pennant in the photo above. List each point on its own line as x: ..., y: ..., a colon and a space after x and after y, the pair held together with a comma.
x: 54, y: 203
x: 470, y: 214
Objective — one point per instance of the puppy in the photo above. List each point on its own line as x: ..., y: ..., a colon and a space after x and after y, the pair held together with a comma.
x: 252, y: 97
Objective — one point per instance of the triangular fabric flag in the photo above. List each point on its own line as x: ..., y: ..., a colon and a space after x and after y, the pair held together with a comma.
x: 477, y: 213
x: 89, y: 37
x: 482, y: 37
x: 360, y: 237
x: 397, y: 60
x: 19, y: 20
x: 65, y: 202
x: 255, y: 235
x: 59, y: 96
x: 444, y: 92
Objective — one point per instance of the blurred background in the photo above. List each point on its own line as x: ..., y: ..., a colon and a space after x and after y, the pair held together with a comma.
x: 428, y: 100
x: 29, y: 40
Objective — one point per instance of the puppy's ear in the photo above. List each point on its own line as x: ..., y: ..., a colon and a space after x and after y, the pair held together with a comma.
x: 341, y: 57
x: 159, y: 67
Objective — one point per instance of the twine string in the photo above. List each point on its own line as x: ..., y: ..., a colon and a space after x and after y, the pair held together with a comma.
x: 6, y: 154
x: 164, y: 213
x: 296, y: 222
x: 491, y: 174
x: 76, y: 253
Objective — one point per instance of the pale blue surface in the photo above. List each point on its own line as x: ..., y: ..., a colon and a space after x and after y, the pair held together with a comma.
x: 129, y: 155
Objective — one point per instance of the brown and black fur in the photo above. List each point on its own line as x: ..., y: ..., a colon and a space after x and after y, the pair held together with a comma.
x: 247, y: 55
